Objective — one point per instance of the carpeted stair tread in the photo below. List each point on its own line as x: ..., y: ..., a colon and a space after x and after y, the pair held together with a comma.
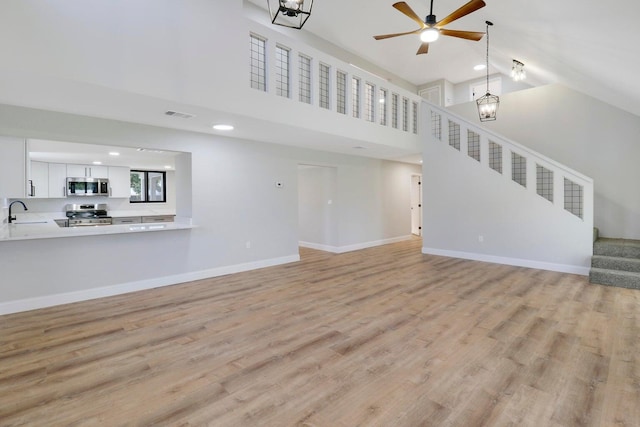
x: 615, y: 263
x: 621, y: 279
x: 625, y: 248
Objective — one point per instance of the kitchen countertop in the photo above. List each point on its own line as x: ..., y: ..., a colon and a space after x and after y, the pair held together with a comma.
x: 43, y: 226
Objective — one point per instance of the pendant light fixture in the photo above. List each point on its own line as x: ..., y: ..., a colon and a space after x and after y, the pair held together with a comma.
x: 290, y: 13
x: 488, y: 104
x: 517, y: 71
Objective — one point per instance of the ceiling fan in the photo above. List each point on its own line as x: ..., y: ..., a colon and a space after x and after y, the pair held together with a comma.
x: 430, y: 29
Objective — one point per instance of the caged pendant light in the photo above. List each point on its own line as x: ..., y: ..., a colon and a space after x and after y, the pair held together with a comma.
x: 488, y: 104
x: 290, y: 13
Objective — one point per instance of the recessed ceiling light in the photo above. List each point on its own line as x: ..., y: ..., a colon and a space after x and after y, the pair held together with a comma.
x: 97, y: 163
x: 223, y: 127
x: 114, y: 153
x: 479, y: 67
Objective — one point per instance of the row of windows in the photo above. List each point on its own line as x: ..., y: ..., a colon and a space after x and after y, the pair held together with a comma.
x: 363, y: 96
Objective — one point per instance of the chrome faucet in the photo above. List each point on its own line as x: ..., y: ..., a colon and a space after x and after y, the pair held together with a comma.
x: 13, y: 218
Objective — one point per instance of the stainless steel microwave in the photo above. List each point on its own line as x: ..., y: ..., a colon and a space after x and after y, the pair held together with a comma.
x: 87, y: 187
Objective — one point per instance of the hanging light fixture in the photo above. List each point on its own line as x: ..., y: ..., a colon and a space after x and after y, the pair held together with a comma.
x: 290, y: 13
x: 517, y: 71
x: 488, y: 104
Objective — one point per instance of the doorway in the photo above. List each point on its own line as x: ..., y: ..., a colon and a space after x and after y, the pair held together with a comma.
x: 416, y: 205
x: 317, y: 219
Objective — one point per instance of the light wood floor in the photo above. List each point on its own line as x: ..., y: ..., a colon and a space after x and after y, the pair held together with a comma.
x: 382, y: 337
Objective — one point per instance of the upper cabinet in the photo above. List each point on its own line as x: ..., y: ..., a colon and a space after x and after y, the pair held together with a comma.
x: 38, y: 182
x: 13, y: 163
x: 47, y: 180
x: 89, y: 171
x: 120, y: 181
x: 57, y: 180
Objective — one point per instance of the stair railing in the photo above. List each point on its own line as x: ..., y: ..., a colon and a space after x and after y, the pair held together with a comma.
x: 539, y: 175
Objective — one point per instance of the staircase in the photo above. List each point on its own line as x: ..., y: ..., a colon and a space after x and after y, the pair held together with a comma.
x: 616, y: 262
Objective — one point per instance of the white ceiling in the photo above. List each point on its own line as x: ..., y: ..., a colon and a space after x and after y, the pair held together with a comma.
x: 579, y: 43
x: 77, y: 153
x: 573, y: 42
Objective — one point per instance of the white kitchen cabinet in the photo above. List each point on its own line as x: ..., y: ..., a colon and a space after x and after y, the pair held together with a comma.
x: 13, y: 167
x: 119, y: 181
x: 38, y: 182
x: 89, y: 171
x: 126, y: 220
x: 158, y: 218
x: 57, y: 180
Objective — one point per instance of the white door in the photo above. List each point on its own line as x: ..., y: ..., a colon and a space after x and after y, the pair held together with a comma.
x: 416, y: 205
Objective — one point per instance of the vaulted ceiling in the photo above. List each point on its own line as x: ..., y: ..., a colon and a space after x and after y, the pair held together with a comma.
x: 584, y: 44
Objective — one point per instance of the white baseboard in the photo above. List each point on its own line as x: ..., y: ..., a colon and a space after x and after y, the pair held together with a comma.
x: 355, y: 247
x: 519, y: 262
x: 107, y: 291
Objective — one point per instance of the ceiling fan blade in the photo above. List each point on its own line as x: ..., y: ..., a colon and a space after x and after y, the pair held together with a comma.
x: 464, y: 10
x: 387, y: 36
x: 404, y: 8
x: 423, y: 49
x: 469, y: 35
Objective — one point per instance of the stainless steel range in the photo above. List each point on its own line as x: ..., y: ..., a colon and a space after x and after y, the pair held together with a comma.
x: 87, y: 214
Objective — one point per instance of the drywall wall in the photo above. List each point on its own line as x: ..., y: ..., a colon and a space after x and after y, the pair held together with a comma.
x: 462, y: 90
x: 165, y: 56
x: 588, y: 135
x: 226, y: 185
x: 471, y: 211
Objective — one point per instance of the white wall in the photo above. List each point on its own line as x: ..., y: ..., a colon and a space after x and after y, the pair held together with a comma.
x: 462, y: 90
x: 132, y: 61
x: 590, y: 136
x: 471, y: 211
x: 231, y: 197
x: 371, y: 204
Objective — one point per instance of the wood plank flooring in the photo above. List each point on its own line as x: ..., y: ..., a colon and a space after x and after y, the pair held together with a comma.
x: 385, y: 336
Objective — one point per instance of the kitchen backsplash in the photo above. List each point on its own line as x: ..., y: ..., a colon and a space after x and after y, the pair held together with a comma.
x: 58, y: 205
x: 4, y: 209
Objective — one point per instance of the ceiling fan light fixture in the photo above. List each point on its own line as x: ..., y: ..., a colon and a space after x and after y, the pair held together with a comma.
x: 290, y: 13
x: 429, y: 35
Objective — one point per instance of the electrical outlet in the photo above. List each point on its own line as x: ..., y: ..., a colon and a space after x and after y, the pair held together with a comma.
x: 480, y: 238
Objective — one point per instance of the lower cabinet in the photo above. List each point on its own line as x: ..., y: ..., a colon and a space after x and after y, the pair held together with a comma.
x: 141, y: 219
x: 158, y: 218
x: 126, y: 220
